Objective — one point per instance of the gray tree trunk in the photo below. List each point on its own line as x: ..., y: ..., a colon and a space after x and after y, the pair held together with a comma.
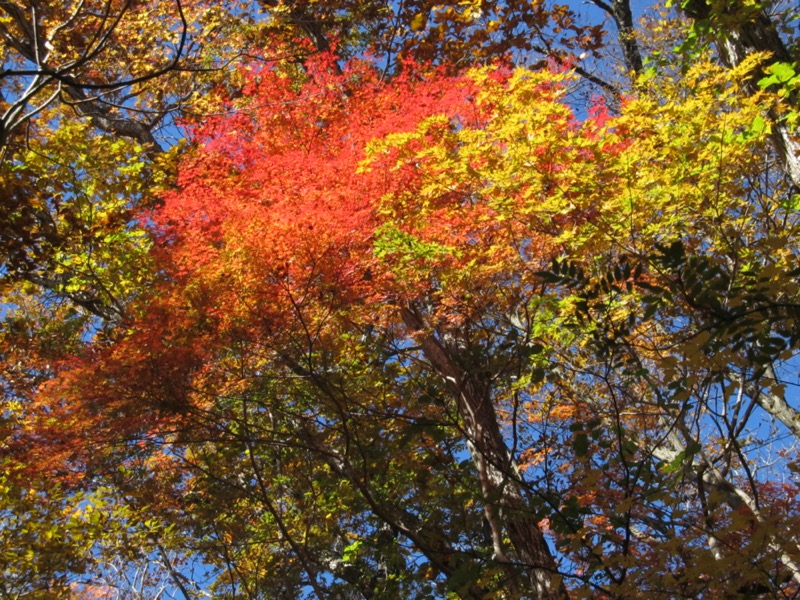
x: 735, y: 43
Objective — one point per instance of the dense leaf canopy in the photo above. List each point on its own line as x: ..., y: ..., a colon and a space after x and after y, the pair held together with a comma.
x: 361, y: 299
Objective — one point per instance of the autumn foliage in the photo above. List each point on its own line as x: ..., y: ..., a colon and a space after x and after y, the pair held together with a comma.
x: 386, y: 328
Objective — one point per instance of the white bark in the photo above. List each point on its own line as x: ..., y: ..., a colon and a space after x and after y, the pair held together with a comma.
x: 759, y: 35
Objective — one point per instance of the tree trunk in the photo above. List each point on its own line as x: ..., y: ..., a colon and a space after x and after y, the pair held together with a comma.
x: 620, y: 11
x: 505, y: 504
x: 734, y: 44
x: 771, y: 397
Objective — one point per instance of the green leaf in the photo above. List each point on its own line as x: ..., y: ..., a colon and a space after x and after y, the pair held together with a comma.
x: 783, y: 71
x: 580, y: 443
x: 759, y: 126
x: 351, y: 552
x: 678, y: 462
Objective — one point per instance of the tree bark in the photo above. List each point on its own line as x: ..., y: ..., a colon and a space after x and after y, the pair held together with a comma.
x: 505, y: 504
x: 734, y: 44
x: 620, y: 11
x: 771, y: 398
x: 712, y: 482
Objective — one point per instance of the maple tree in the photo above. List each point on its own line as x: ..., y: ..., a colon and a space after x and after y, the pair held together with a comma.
x: 91, y: 91
x: 390, y: 327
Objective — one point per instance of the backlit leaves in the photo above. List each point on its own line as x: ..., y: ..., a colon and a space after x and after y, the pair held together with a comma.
x: 445, y: 333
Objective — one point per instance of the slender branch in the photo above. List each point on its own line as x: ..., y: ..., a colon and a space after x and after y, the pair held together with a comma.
x: 177, y: 578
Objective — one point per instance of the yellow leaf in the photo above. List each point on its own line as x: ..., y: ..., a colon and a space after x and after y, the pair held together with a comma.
x: 419, y: 22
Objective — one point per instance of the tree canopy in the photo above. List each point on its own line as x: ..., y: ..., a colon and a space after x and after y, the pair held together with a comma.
x: 373, y: 300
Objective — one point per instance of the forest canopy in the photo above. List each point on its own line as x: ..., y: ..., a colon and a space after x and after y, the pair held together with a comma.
x: 376, y: 300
